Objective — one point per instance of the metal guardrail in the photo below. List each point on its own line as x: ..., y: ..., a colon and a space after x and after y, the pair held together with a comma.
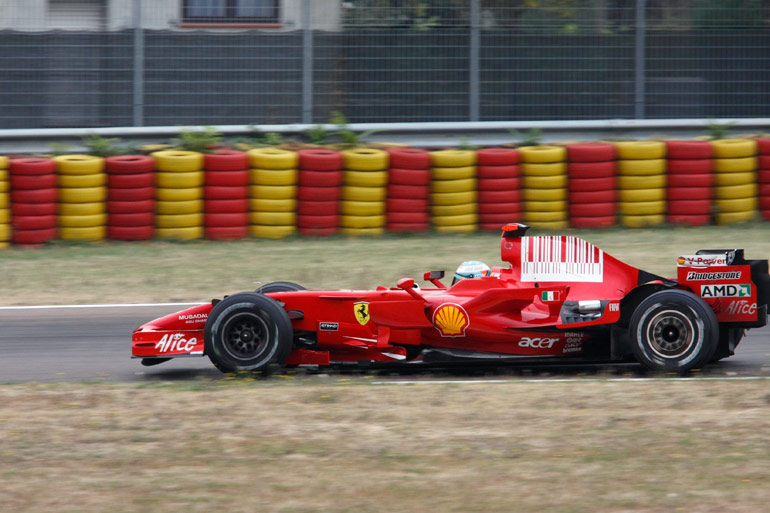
x: 31, y: 141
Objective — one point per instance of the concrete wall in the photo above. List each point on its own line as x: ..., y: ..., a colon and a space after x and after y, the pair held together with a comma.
x: 26, y: 16
x: 33, y: 15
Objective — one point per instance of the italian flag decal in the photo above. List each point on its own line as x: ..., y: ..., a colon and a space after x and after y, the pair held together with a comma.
x: 547, y: 296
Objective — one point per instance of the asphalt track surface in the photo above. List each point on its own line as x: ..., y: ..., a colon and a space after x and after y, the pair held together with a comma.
x: 93, y: 344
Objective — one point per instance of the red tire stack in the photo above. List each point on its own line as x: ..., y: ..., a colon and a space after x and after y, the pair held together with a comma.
x: 593, y: 196
x: 408, y: 193
x: 690, y: 182
x: 318, y: 195
x: 763, y: 177
x: 499, y: 183
x: 130, y: 197
x: 5, y: 204
x: 226, y: 195
x: 34, y: 200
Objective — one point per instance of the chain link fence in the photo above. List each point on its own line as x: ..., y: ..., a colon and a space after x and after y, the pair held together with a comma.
x: 95, y: 63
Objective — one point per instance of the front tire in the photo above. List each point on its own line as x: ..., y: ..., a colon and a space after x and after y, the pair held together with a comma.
x: 248, y: 332
x: 673, y: 330
x: 279, y: 286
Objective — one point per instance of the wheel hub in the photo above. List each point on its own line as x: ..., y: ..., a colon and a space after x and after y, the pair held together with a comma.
x: 671, y: 334
x: 245, y: 336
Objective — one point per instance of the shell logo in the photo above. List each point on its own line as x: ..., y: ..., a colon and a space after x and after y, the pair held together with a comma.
x: 451, y: 320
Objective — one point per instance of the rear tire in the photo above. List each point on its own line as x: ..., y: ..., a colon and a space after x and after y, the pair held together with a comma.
x: 248, y: 332
x: 673, y: 330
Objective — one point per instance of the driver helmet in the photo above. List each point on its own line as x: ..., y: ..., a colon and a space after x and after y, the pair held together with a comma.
x: 471, y: 269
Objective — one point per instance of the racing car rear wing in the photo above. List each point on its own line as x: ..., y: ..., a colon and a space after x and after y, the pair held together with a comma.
x: 759, y: 270
x: 721, y: 273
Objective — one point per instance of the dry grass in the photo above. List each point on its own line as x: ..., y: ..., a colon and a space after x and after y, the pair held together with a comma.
x: 157, y: 271
x: 326, y: 444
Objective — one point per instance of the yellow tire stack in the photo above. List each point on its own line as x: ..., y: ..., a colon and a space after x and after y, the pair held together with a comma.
x: 364, y: 191
x: 454, y: 191
x: 178, y: 194
x: 642, y: 183
x: 82, y: 196
x: 5, y: 204
x: 273, y: 192
x: 735, y: 180
x: 544, y: 169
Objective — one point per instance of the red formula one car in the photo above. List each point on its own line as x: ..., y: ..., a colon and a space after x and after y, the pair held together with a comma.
x: 560, y: 297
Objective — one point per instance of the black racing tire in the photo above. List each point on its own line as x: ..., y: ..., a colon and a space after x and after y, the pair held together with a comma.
x: 673, y: 330
x: 279, y: 286
x: 248, y: 332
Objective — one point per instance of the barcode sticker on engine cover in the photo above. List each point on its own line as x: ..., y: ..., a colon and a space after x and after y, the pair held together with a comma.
x: 560, y: 259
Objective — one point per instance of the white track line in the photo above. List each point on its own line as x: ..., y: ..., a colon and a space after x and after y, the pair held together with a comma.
x: 568, y: 380
x: 124, y: 305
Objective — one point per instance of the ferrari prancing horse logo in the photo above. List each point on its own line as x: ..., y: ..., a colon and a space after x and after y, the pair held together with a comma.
x: 361, y: 311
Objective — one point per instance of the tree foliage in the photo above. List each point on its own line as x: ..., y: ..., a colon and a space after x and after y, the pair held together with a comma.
x: 560, y: 16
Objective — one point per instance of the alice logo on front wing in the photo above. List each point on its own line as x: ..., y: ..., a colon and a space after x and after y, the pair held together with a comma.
x: 451, y: 320
x: 172, y: 342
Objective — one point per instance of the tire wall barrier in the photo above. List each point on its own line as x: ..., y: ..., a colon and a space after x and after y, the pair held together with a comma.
x: 34, y: 200
x: 82, y: 214
x: 690, y: 182
x: 544, y: 169
x: 593, y: 195
x: 735, y: 180
x: 641, y: 183
x: 5, y: 204
x: 454, y: 191
x: 130, y: 197
x: 364, y: 191
x: 179, y: 180
x: 226, y: 205
x: 319, y: 191
x: 274, y: 193
x: 500, y: 196
x: 763, y: 177
x: 407, y: 207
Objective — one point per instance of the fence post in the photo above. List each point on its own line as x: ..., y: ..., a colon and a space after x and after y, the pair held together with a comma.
x: 307, y: 63
x: 475, y: 57
x: 640, y: 54
x: 138, y: 86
